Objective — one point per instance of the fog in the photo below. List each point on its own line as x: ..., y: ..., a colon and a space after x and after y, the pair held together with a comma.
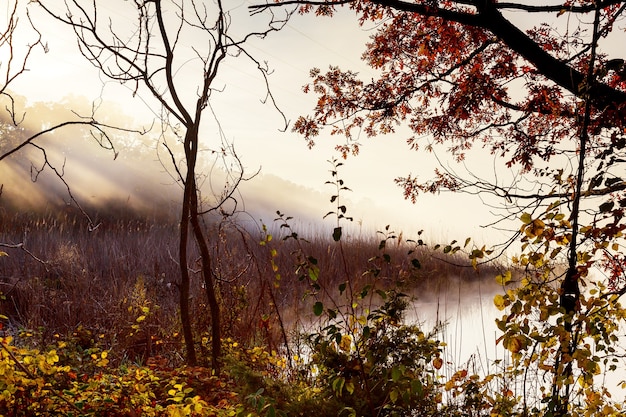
x: 136, y: 175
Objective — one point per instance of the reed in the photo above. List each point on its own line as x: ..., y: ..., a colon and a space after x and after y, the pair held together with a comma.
x: 65, y: 279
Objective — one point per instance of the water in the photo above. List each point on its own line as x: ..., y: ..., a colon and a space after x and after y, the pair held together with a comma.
x: 470, y: 332
x: 465, y: 314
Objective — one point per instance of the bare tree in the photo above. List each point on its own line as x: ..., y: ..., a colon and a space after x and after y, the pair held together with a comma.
x: 167, y: 37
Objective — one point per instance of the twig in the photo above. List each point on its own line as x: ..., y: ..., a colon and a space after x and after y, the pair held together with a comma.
x: 21, y: 246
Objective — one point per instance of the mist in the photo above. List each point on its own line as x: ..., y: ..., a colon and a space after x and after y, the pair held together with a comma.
x: 134, y: 176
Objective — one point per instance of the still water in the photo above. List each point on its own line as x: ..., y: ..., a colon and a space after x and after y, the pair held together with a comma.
x: 465, y: 314
x: 470, y: 334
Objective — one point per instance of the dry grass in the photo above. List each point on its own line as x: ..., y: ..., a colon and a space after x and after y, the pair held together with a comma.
x: 94, y: 284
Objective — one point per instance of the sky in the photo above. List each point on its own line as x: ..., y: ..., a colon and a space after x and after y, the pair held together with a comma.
x: 292, y: 177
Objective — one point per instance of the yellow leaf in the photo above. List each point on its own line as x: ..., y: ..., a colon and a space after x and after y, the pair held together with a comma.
x: 562, y: 240
x: 499, y: 301
x: 52, y: 357
x: 504, y: 279
x: 535, y: 228
x: 346, y: 343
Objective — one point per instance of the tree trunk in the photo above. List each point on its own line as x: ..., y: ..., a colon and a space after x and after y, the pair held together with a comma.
x: 209, y: 286
x: 185, y: 316
x: 193, y: 211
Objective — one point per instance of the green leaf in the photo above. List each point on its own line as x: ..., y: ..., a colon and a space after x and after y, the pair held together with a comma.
x: 350, y: 387
x: 366, y: 332
x: 338, y: 384
x: 417, y: 387
x: 396, y: 373
x: 318, y: 308
x: 526, y: 218
x: 314, y: 273
x: 393, y: 395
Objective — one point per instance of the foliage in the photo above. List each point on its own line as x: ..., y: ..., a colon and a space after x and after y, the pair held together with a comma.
x: 376, y: 365
x: 469, y: 73
x: 364, y: 356
x: 65, y: 380
x: 364, y: 359
x: 577, y: 348
x: 548, y: 103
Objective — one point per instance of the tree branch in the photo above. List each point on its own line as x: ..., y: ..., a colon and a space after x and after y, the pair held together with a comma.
x: 489, y: 17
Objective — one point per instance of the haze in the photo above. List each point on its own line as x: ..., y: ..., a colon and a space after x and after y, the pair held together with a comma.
x: 291, y: 177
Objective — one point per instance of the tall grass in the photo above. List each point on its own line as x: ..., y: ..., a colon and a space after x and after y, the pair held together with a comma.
x: 64, y: 278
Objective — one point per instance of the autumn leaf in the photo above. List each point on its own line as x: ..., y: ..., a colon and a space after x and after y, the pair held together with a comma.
x: 504, y: 279
x: 500, y: 302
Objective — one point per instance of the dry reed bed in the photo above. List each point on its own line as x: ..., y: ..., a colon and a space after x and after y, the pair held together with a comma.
x: 94, y: 284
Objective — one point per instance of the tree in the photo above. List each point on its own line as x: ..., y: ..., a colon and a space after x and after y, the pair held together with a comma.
x: 549, y: 102
x: 173, y: 51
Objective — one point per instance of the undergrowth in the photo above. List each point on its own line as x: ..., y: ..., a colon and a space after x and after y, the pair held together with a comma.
x: 311, y: 325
